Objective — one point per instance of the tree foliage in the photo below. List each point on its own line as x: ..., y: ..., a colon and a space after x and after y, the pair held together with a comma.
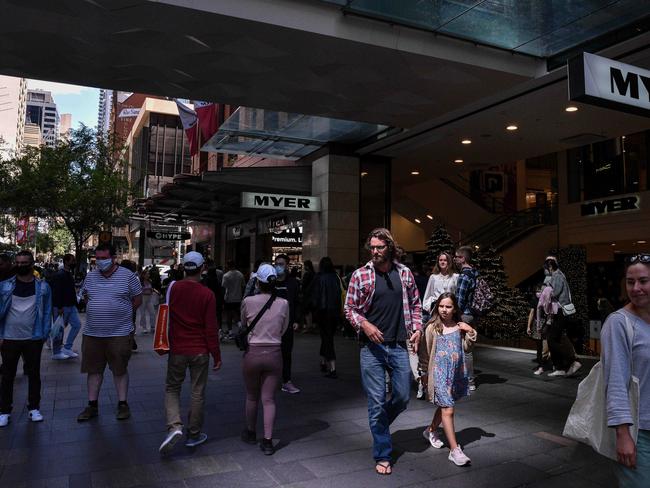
x: 439, y: 242
x: 82, y: 182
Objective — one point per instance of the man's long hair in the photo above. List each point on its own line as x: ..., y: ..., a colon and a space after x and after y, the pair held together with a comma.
x: 384, y: 235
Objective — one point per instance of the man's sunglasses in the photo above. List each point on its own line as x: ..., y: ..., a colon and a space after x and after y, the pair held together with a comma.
x: 639, y: 258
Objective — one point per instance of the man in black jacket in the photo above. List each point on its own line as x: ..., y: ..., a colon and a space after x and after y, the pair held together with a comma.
x: 287, y: 287
x: 64, y: 303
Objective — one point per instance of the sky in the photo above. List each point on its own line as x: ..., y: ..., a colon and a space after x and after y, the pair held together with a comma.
x: 80, y: 101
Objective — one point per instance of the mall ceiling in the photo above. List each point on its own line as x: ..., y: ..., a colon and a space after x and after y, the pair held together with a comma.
x: 294, y: 56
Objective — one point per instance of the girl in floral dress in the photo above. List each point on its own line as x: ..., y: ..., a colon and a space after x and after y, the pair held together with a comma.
x: 445, y: 342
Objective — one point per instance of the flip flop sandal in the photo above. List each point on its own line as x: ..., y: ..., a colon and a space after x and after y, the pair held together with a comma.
x: 386, y: 466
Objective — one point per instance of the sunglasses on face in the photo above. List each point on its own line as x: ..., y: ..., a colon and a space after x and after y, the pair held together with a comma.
x: 378, y: 248
x: 639, y: 258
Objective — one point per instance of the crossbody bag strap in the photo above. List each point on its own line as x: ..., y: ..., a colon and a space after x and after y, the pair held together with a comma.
x: 629, y: 335
x: 266, y: 306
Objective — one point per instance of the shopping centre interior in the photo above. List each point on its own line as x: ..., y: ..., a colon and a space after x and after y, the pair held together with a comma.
x: 395, y: 114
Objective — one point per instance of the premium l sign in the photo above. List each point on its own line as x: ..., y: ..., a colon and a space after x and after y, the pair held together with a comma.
x: 610, y: 84
x: 275, y: 201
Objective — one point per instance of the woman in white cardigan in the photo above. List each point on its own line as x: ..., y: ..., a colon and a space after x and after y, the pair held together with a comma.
x: 442, y: 280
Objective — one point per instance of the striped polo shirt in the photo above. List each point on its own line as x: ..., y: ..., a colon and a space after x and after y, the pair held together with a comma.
x: 109, y: 310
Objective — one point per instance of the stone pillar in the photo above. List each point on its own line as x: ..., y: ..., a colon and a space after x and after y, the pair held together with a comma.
x: 334, y: 231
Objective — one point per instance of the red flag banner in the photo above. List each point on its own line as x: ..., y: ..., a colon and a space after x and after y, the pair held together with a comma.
x: 22, y: 230
x: 190, y: 125
x: 207, y: 114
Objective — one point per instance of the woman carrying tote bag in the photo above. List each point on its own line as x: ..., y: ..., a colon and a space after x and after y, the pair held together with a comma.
x: 621, y: 364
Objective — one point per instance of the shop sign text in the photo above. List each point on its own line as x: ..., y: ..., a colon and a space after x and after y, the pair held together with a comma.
x: 280, y: 202
x: 168, y: 236
x: 613, y: 205
x: 607, y: 83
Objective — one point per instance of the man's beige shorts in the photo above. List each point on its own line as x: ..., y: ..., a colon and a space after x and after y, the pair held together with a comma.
x: 96, y: 352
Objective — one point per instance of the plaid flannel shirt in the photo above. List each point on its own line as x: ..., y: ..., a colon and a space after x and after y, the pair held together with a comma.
x: 465, y: 289
x: 362, y: 289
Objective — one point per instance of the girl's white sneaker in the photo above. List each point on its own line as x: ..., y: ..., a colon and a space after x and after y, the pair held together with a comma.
x: 433, y: 438
x: 457, y: 456
x: 4, y: 419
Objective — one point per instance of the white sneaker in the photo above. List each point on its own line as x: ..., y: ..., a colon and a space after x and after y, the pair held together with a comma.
x: 170, y: 441
x: 196, y: 441
x: 538, y: 371
x: 557, y: 372
x: 433, y: 438
x: 69, y: 352
x: 289, y: 387
x: 420, y: 394
x: 4, y: 419
x: 457, y: 456
x: 59, y: 356
x: 35, y: 416
x: 573, y: 369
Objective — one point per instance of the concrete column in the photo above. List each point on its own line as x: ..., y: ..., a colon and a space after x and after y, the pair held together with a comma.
x: 334, y: 231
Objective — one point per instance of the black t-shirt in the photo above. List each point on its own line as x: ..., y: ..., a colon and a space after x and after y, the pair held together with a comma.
x: 25, y: 290
x: 387, y: 310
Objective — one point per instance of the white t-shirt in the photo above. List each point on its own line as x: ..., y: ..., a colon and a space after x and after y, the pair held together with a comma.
x: 438, y: 284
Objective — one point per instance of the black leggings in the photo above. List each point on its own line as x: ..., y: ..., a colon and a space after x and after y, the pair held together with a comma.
x: 327, y: 321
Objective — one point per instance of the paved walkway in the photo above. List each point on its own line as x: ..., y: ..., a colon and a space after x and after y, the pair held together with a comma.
x: 510, y: 428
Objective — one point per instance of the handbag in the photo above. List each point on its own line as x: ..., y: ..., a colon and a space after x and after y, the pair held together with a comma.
x: 161, y: 334
x: 569, y: 308
x: 241, y: 339
x: 587, y: 420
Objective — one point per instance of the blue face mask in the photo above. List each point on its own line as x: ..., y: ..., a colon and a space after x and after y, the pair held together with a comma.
x: 104, y: 264
x: 279, y: 269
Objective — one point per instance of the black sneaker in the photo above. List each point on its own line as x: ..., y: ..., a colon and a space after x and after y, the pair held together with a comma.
x: 249, y: 436
x: 123, y: 412
x: 88, y: 413
x: 267, y: 447
x: 332, y: 374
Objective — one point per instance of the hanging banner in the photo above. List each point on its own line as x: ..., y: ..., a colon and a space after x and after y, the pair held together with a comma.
x: 22, y: 231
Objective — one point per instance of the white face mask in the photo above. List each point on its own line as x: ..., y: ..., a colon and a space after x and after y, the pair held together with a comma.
x: 104, y: 264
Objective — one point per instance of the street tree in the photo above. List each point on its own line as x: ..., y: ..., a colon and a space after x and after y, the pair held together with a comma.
x: 81, y: 182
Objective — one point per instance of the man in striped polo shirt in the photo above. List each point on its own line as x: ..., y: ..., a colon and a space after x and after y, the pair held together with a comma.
x: 112, y: 294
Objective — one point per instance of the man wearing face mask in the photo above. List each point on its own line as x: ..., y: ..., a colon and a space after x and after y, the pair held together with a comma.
x: 286, y: 286
x: 64, y: 302
x: 112, y: 294
x: 25, y: 320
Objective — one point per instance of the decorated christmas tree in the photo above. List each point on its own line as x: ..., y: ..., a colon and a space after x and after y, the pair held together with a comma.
x: 508, y: 317
x: 439, y: 242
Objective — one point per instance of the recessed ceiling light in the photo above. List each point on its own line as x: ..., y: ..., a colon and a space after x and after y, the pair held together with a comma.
x: 430, y: 217
x: 418, y: 221
x: 571, y: 108
x: 613, y: 244
x: 512, y: 127
x: 466, y: 141
x: 415, y: 173
x: 364, y: 173
x: 641, y: 242
x: 458, y: 161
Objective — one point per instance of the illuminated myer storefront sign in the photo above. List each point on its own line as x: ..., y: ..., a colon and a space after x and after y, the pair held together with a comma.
x: 280, y: 202
x: 610, y: 84
x: 611, y: 205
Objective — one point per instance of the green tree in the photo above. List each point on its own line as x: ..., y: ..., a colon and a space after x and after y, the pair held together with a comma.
x: 81, y: 182
x: 439, y: 242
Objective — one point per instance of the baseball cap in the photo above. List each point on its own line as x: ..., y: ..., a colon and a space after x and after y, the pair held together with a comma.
x: 266, y: 273
x: 192, y: 260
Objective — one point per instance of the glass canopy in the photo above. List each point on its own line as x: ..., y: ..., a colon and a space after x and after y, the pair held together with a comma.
x: 282, y: 135
x: 541, y: 28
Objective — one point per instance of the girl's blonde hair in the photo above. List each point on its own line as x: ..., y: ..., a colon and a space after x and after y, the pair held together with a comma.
x: 435, y: 319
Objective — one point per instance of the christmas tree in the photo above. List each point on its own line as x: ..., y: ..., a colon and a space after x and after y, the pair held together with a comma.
x: 509, y: 315
x: 439, y: 242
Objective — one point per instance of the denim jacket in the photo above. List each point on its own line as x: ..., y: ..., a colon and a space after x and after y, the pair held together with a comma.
x: 43, y: 321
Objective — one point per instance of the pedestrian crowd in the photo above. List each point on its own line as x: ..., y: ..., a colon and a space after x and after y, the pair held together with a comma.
x: 410, y: 328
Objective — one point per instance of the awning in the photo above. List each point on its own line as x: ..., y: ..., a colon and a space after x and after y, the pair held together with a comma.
x: 215, y: 196
x: 282, y: 135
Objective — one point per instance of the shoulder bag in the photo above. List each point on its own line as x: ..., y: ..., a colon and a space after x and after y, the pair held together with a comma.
x: 241, y: 339
x: 587, y: 421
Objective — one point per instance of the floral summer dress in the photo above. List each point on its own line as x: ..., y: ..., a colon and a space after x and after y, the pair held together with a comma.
x: 451, y: 379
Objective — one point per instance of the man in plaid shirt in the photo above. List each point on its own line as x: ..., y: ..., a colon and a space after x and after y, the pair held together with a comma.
x: 465, y: 294
x: 383, y: 304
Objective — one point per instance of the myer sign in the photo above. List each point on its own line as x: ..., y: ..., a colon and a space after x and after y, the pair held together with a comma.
x: 610, y: 84
x: 280, y: 202
x: 610, y: 205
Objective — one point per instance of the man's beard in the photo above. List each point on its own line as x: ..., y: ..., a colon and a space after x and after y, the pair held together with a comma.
x: 379, y: 259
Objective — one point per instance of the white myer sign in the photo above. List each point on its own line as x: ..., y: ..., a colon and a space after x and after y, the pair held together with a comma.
x: 280, y: 202
x: 610, y: 84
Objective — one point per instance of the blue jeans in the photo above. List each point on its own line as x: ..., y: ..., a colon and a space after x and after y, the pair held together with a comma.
x: 70, y: 316
x: 637, y: 478
x: 376, y: 360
